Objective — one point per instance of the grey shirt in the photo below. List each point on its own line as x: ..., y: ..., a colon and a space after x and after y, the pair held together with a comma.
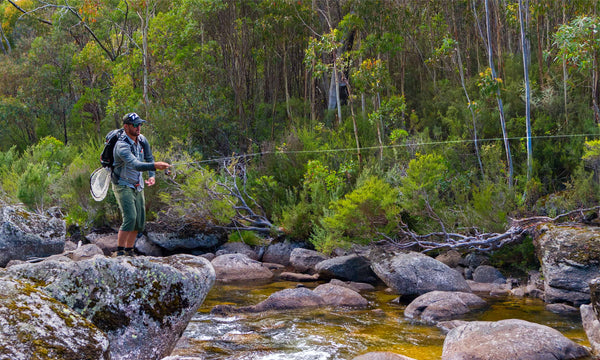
x: 131, y: 159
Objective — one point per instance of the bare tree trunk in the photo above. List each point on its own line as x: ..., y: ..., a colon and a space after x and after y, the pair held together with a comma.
x: 3, y: 39
x: 539, y: 49
x: 498, y: 98
x: 523, y: 15
x: 288, y: 108
x: 334, y: 92
x: 145, y: 57
x: 313, y: 110
x: 473, y: 116
x: 358, y: 154
x: 565, y: 72
x: 145, y: 16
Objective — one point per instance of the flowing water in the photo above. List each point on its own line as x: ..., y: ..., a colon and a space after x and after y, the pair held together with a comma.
x: 337, y: 333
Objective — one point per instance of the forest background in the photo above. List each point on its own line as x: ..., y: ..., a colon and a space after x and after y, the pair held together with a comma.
x: 445, y: 115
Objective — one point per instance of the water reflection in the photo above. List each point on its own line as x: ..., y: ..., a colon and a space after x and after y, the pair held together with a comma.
x: 336, y: 333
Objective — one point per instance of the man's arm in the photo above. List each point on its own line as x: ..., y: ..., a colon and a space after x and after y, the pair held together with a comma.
x: 123, y: 151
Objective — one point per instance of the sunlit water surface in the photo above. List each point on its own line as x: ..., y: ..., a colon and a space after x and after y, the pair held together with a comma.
x: 337, y: 333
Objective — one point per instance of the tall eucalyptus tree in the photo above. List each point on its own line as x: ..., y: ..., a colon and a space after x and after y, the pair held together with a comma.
x: 498, y: 97
x: 523, y: 21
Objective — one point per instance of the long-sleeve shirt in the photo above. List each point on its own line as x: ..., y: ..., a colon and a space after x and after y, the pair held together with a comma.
x: 131, y: 158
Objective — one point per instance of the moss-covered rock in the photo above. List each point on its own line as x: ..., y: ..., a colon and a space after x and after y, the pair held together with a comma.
x: 34, y: 325
x: 570, y: 258
x: 143, y: 304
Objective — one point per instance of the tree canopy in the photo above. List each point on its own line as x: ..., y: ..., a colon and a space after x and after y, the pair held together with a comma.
x: 463, y: 112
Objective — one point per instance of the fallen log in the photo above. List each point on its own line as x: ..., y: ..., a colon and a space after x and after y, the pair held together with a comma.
x: 519, y: 228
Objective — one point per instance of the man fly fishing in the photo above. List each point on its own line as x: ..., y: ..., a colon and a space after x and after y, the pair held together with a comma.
x: 132, y: 156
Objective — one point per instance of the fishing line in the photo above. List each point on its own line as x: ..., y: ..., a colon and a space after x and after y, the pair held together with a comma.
x: 407, y: 144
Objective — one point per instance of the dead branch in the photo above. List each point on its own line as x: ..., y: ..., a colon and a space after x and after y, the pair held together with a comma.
x: 235, y: 185
x: 518, y: 229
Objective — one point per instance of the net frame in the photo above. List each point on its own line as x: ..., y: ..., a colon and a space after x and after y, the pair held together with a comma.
x: 99, y: 183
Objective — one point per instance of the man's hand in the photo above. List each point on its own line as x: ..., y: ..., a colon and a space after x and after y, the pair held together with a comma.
x: 161, y: 165
x: 151, y: 181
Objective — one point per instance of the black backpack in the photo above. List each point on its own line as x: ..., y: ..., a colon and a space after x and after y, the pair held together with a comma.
x: 107, y: 158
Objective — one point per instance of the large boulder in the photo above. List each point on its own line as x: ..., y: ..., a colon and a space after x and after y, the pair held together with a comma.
x: 172, y: 242
x: 335, y: 295
x: 590, y: 315
x: 287, y: 299
x: 510, y: 339
x: 237, y: 248
x: 300, y: 298
x: 84, y: 252
x: 279, y: 252
x: 591, y: 325
x: 436, y: 306
x: 350, y: 268
x: 25, y: 235
x: 305, y: 260
x: 239, y: 267
x: 142, y: 304
x: 570, y: 258
x: 35, y: 326
x: 106, y: 242
x: 488, y: 274
x: 412, y: 274
x: 452, y: 258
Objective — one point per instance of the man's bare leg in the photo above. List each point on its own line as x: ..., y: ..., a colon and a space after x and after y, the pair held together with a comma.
x: 126, y: 239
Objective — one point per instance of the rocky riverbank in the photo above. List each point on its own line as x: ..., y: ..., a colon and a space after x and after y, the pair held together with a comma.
x: 80, y: 300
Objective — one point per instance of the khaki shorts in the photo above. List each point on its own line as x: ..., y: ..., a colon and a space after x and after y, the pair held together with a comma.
x: 133, y: 207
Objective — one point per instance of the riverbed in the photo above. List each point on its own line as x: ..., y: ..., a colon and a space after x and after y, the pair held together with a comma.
x: 332, y: 334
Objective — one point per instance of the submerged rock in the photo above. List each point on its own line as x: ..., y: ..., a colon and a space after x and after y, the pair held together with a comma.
x: 291, y: 276
x: 436, y: 306
x: 142, y: 304
x: 300, y: 298
x: 287, y: 299
x: 335, y: 295
x: 414, y: 274
x: 382, y: 355
x: 509, y: 340
x: 35, y: 326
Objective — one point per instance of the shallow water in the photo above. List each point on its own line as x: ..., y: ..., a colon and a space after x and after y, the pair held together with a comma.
x: 333, y: 334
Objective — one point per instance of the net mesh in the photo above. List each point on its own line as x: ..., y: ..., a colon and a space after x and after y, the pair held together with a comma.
x: 99, y: 182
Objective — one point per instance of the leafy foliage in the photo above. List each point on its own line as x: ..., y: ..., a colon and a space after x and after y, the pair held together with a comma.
x: 364, y: 213
x: 234, y: 77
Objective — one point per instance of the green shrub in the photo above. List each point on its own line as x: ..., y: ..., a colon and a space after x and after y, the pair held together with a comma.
x: 197, y: 199
x: 320, y: 187
x: 33, y: 185
x: 247, y: 237
x: 359, y: 217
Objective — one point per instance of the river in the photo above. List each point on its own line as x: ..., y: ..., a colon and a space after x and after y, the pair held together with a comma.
x: 319, y: 334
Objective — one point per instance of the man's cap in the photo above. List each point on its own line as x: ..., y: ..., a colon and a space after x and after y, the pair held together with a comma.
x: 133, y: 119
